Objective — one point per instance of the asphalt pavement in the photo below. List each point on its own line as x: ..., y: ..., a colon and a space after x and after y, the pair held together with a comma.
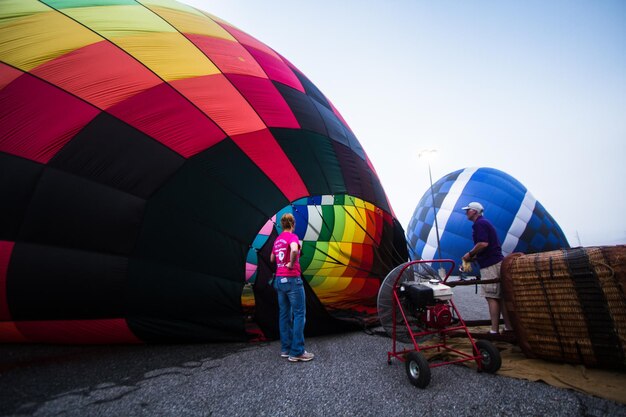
x: 348, y: 377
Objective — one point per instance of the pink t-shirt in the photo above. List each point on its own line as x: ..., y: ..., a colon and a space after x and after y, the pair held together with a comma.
x: 282, y: 252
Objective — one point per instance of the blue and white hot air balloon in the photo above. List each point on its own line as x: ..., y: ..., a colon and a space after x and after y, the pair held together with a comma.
x: 522, y: 223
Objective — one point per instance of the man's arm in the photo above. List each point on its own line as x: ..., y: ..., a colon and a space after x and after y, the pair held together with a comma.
x: 479, y: 247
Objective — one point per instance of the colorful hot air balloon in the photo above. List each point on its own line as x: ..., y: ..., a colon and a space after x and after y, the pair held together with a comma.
x: 522, y: 223
x: 143, y: 147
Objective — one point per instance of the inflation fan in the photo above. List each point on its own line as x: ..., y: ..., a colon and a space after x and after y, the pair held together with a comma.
x: 415, y: 305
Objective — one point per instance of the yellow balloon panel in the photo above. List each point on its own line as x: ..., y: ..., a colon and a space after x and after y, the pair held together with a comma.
x: 369, y: 206
x: 119, y: 21
x: 25, y: 46
x: 320, y: 258
x: 360, y: 229
x: 17, y: 9
x: 335, y: 283
x: 340, y: 251
x: 171, y: 4
x: 323, y: 274
x: 193, y: 23
x: 170, y: 55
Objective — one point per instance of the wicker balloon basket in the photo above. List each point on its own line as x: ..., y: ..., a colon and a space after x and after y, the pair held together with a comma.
x: 569, y: 305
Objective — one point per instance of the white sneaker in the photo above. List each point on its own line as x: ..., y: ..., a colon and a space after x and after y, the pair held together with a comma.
x: 305, y: 357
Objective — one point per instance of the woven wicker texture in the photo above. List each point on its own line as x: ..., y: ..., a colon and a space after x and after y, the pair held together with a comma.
x: 569, y: 305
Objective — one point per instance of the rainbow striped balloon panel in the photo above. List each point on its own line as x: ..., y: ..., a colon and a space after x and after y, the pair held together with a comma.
x: 341, y: 237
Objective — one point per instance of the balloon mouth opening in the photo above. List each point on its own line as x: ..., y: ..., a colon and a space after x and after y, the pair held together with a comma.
x: 341, y: 238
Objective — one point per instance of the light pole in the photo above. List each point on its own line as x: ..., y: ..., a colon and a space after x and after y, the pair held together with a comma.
x: 428, y: 154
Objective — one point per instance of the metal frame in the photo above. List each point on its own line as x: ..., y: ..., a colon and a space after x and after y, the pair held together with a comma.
x: 401, y: 355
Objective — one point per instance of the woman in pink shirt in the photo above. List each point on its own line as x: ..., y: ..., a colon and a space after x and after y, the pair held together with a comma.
x: 288, y: 284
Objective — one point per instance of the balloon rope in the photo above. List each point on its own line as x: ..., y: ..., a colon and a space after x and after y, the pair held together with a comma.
x: 348, y: 265
x: 381, y: 247
x: 395, y: 251
x: 325, y: 223
x: 373, y: 220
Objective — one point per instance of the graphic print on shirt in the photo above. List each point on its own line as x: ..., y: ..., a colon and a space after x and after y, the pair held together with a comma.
x: 280, y: 251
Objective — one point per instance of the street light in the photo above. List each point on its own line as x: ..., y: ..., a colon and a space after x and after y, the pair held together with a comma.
x: 428, y: 154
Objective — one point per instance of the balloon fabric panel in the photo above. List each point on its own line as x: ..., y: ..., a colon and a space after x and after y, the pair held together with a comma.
x: 110, y: 152
x: 276, y: 69
x: 189, y: 22
x: 310, y: 89
x: 104, y: 331
x: 328, y: 214
x: 72, y: 284
x: 208, y: 196
x: 303, y: 109
x: 8, y: 75
x: 16, y: 9
x: 44, y: 125
x: 18, y: 179
x: 230, y: 57
x: 262, y: 148
x: 69, y: 211
x: 249, y: 42
x: 313, y: 223
x: 219, y: 100
x: 167, y: 304
x: 335, y: 129
x: 358, y: 178
x: 117, y: 20
x: 66, y: 4
x: 266, y: 100
x: 10, y: 334
x: 314, y: 158
x: 343, y: 121
x: 169, y: 55
x: 82, y: 74
x: 25, y: 46
x: 6, y: 250
x: 165, y: 115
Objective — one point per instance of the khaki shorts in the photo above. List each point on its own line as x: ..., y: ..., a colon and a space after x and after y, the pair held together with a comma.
x: 491, y: 272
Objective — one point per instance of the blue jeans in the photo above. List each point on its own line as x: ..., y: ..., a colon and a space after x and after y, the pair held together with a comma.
x: 292, y: 314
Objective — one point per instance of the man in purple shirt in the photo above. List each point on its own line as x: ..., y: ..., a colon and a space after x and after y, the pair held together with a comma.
x: 487, y: 252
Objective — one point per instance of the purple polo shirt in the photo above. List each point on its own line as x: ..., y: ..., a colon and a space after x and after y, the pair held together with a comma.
x: 483, y: 231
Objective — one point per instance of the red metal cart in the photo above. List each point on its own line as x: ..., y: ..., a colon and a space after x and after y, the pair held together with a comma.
x: 422, y: 308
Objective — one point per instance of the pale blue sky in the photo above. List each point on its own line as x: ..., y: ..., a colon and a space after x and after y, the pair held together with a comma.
x: 536, y: 89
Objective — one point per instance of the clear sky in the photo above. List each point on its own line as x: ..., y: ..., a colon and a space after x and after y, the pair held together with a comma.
x: 536, y: 89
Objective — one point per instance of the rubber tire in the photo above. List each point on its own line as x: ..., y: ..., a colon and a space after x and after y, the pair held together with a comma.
x: 417, y: 369
x: 491, y: 356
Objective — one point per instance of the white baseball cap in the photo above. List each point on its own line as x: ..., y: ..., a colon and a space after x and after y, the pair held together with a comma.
x: 474, y: 206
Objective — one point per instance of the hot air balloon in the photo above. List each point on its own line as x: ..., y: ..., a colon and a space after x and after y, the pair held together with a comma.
x: 144, y: 146
x: 522, y: 223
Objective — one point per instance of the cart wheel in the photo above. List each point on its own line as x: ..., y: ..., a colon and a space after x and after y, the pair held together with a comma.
x: 491, y: 356
x: 417, y: 369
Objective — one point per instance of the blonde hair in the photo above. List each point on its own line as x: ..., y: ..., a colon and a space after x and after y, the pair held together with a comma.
x: 287, y: 221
